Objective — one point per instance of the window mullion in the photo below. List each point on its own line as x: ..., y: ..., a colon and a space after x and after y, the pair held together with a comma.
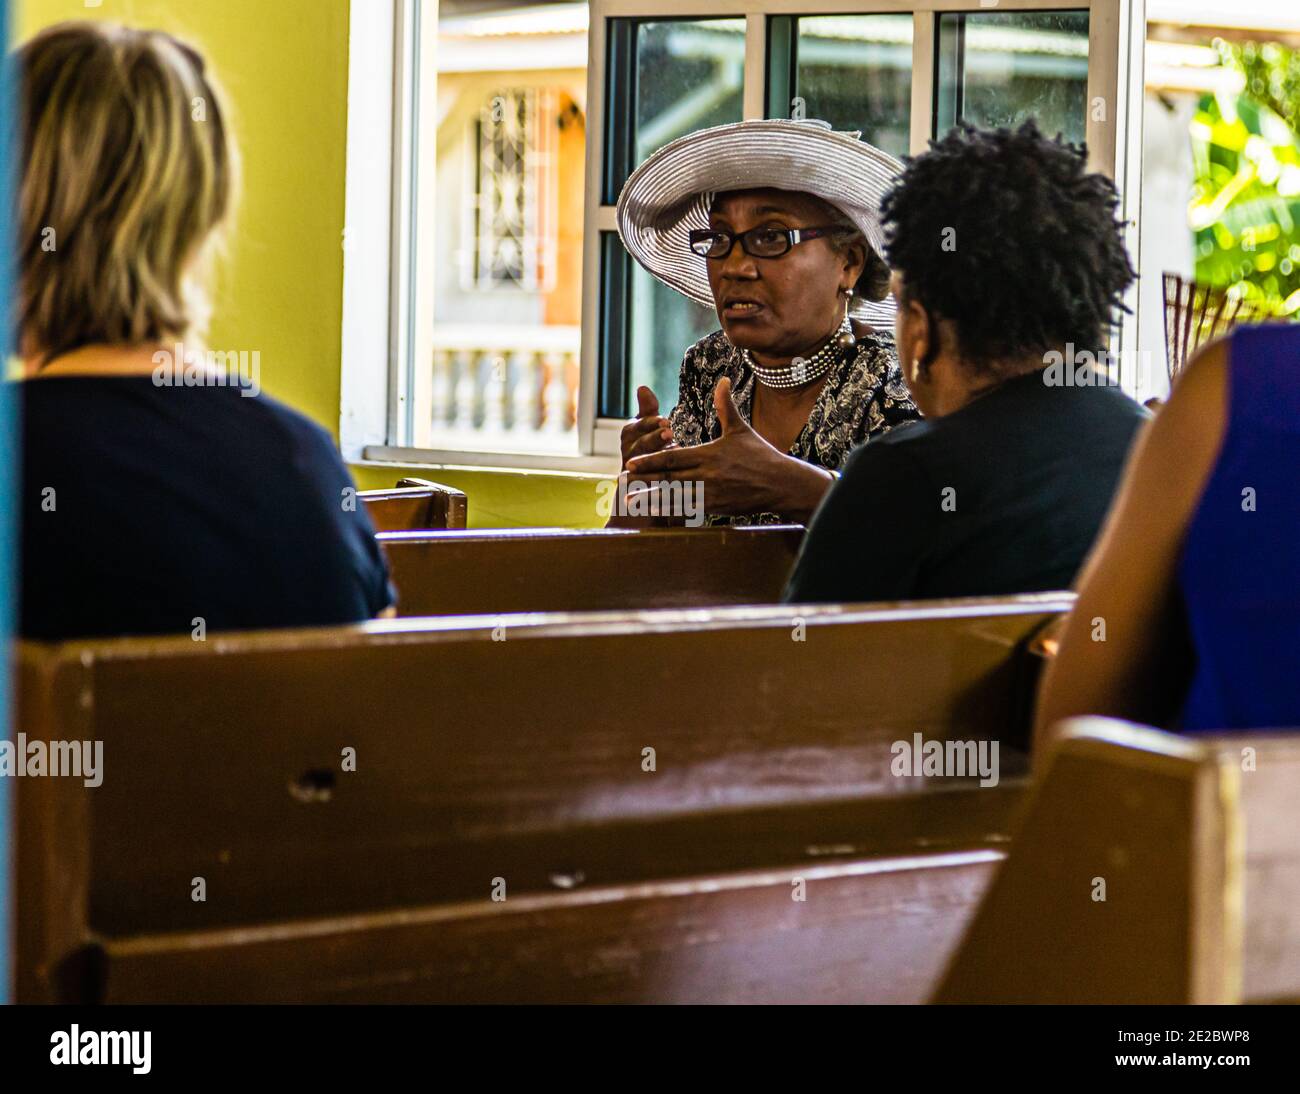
x: 423, y: 239
x: 754, y: 104
x: 599, y: 78
x: 781, y: 73
x: 922, y: 81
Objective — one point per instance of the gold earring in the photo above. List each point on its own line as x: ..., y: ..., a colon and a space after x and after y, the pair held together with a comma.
x: 845, y: 339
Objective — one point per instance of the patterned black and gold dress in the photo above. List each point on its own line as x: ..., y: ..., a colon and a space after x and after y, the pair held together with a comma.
x: 864, y: 395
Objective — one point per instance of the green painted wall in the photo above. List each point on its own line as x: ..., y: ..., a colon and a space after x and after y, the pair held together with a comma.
x: 503, y: 499
x: 284, y: 67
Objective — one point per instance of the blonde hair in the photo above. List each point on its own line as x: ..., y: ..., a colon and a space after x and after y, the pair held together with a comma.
x: 128, y: 172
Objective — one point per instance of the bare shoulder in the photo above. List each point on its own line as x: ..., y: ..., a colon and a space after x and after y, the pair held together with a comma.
x: 1203, y: 386
x: 1181, y: 444
x: 1197, y: 409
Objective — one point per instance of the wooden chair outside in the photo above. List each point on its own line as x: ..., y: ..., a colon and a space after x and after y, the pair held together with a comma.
x: 1195, y: 314
x: 415, y: 505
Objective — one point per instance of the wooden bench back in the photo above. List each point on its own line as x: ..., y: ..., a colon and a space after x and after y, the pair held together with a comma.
x: 416, y: 504
x: 867, y: 930
x: 1149, y: 868
x: 554, y: 569
x: 490, y: 748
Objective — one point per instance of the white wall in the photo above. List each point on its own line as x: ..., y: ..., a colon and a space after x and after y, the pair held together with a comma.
x: 1166, y: 239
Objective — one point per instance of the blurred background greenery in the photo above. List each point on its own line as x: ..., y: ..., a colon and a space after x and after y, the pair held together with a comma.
x: 1245, y: 207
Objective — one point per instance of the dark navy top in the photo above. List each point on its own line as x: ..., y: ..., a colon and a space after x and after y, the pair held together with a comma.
x: 145, y: 508
x: 1002, y: 496
x: 1240, y: 568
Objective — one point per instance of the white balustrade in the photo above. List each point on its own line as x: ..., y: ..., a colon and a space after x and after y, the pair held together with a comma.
x: 466, y: 391
x: 527, y: 394
x: 512, y: 388
x: 494, y: 392
x: 556, y: 418
x: 443, y: 393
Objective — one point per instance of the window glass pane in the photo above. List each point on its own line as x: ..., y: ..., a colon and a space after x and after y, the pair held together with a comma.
x: 1000, y: 69
x: 664, y: 324
x: 646, y: 328
x: 668, y: 78
x: 689, y: 76
x: 507, y: 212
x: 854, y: 71
x: 614, y: 315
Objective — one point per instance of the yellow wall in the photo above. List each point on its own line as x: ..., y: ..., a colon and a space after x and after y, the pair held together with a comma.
x: 504, y: 499
x: 284, y: 67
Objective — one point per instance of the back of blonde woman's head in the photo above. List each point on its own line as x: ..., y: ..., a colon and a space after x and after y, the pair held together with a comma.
x: 128, y: 172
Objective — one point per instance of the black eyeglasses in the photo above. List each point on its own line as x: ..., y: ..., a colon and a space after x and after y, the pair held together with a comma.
x: 757, y: 242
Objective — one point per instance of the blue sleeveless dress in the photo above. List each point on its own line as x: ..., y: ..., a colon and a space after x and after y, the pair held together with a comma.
x: 1240, y: 568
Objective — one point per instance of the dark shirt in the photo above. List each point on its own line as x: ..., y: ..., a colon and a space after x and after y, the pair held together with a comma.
x: 145, y: 508
x: 1004, y: 496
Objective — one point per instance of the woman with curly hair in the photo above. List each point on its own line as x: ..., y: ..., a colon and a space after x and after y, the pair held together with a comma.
x: 1009, y: 266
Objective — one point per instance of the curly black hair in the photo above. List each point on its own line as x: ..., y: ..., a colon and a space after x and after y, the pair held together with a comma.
x: 1005, y: 233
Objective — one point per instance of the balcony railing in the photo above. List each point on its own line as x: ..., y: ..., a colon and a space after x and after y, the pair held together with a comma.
x: 505, y: 388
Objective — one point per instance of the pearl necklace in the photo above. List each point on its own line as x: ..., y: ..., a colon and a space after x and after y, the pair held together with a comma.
x: 803, y: 370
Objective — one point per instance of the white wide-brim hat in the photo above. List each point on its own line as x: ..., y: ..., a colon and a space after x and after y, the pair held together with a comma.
x: 669, y: 195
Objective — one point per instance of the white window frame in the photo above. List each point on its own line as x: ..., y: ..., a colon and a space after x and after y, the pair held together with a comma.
x: 388, y: 265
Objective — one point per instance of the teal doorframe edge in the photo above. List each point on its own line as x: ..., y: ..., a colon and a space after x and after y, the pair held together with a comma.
x: 8, y: 510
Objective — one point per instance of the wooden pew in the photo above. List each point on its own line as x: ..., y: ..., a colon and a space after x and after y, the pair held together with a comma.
x: 1194, y: 839
x: 556, y: 569
x: 415, y: 504
x: 514, y: 748
x: 870, y: 930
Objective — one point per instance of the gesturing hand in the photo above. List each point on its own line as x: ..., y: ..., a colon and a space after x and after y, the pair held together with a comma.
x: 741, y: 472
x: 647, y: 432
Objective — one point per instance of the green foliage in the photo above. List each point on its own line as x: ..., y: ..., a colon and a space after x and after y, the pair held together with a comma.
x: 1245, y: 208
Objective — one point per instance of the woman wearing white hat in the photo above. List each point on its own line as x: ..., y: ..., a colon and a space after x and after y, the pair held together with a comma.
x: 775, y: 224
